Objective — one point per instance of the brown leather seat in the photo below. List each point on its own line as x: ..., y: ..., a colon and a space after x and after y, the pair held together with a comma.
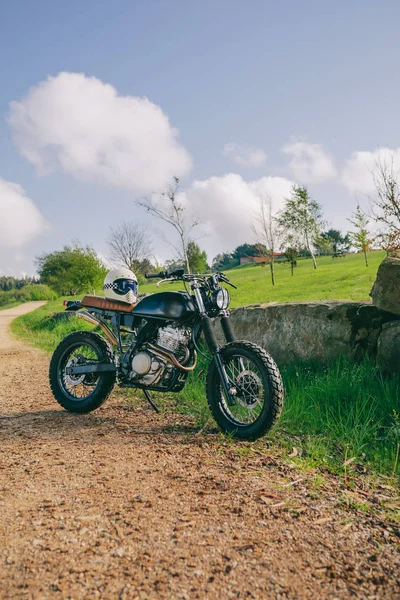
x: 105, y: 304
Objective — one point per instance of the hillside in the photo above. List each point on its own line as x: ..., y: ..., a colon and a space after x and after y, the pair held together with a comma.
x: 344, y: 278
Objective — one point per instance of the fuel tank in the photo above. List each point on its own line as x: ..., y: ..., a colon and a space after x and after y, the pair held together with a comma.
x: 172, y: 306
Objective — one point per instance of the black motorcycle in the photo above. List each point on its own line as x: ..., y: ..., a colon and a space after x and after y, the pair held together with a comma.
x: 153, y: 345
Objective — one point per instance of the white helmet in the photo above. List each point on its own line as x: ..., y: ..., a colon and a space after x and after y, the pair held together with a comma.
x: 122, y: 285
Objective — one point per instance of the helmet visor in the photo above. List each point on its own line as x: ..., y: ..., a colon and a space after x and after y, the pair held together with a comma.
x: 123, y: 286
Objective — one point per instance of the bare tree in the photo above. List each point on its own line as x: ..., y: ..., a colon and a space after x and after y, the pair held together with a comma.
x: 266, y: 231
x: 171, y: 211
x: 386, y: 203
x: 129, y: 245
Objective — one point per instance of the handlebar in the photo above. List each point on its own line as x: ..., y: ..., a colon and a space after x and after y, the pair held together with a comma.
x: 225, y: 279
x: 159, y: 275
x: 179, y: 274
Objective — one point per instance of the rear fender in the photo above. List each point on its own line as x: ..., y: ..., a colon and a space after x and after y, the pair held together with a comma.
x: 85, y: 316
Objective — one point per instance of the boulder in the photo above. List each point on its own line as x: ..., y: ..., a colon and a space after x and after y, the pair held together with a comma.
x: 319, y: 331
x: 388, y: 354
x: 386, y: 291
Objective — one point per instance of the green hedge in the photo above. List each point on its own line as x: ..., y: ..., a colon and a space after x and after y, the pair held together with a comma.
x: 27, y: 294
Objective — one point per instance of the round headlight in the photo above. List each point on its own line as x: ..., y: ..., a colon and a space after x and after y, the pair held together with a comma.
x: 222, y: 298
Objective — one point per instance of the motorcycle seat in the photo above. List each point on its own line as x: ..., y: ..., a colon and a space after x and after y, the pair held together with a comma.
x: 105, y: 304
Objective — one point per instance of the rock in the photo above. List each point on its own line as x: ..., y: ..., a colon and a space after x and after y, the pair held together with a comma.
x: 386, y: 290
x: 389, y: 347
x: 320, y: 331
x: 61, y: 316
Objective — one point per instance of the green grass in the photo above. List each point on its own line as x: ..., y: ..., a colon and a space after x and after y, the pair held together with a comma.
x: 335, y: 279
x: 332, y: 413
x: 39, y: 329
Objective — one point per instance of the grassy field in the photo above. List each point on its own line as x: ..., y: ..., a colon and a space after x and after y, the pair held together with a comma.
x: 344, y: 278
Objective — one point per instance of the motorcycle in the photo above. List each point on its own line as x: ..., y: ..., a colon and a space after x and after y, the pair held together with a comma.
x: 154, y: 344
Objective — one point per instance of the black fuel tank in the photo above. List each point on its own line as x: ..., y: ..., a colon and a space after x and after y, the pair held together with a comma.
x: 174, y: 306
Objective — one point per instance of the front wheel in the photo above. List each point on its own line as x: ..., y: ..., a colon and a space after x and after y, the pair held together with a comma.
x: 257, y: 387
x: 86, y: 392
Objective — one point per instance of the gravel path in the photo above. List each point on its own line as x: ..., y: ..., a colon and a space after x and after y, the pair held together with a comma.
x: 127, y: 504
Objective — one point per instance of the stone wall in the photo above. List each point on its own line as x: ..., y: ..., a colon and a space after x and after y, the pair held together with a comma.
x: 327, y: 330
x: 312, y: 330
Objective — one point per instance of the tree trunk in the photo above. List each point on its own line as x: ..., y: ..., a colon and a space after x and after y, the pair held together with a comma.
x: 310, y: 251
x: 271, y: 265
x: 292, y: 267
x: 366, y: 259
x: 185, y: 256
x: 313, y: 258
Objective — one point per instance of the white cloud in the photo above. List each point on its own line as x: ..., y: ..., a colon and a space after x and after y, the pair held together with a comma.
x: 81, y: 125
x: 310, y: 163
x: 244, y: 155
x: 20, y: 219
x: 228, y: 205
x: 357, y: 174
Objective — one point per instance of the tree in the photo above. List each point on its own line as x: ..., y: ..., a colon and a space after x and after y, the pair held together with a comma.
x: 171, y: 211
x: 224, y: 262
x: 197, y: 258
x: 247, y: 250
x: 301, y: 219
x: 172, y: 264
x: 325, y: 245
x: 266, y: 229
x: 291, y: 255
x: 130, y: 246
x: 8, y: 282
x: 71, y: 270
x: 360, y: 238
x: 386, y: 204
x: 332, y: 242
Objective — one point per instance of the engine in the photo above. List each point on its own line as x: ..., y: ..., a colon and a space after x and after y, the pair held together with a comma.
x: 152, y: 368
x: 175, y: 339
x: 147, y: 367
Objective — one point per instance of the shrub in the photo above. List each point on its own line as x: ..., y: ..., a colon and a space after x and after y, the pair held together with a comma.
x: 27, y: 294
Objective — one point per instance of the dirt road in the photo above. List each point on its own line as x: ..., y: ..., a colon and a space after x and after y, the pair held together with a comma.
x: 124, y: 503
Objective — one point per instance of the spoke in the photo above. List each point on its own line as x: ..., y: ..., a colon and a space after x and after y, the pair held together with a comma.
x: 247, y: 379
x: 75, y: 385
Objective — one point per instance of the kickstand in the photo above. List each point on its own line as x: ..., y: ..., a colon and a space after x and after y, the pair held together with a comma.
x: 150, y: 401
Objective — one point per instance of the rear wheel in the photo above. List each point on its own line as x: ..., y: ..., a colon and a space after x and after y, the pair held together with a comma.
x: 257, y: 387
x: 86, y: 392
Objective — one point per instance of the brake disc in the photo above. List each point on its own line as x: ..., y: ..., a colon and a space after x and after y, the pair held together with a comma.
x: 248, y: 386
x: 73, y: 380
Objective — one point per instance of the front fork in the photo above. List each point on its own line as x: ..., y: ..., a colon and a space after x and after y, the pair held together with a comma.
x: 213, y: 346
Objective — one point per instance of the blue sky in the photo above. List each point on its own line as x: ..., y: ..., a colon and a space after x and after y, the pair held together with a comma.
x: 319, y: 78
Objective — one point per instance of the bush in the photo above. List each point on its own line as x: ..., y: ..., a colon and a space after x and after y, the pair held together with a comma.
x: 27, y: 294
x: 72, y: 270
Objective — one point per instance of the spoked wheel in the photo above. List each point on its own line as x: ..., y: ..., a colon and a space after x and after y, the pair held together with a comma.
x: 256, y: 386
x: 86, y: 392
